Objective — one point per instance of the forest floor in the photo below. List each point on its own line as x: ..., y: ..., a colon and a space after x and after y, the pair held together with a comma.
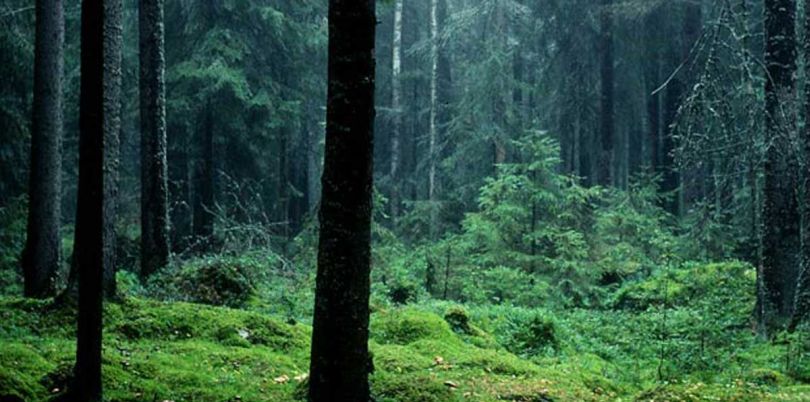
x: 429, y: 352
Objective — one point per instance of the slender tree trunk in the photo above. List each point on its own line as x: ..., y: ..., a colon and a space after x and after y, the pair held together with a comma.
x: 154, y: 170
x: 396, y: 106
x: 434, y: 102
x: 781, y: 237
x: 180, y: 187
x: 607, y: 124
x: 340, y: 362
x: 203, y: 208
x: 42, y: 256
x: 99, y: 120
x: 313, y: 165
x: 284, y: 185
x: 802, y: 300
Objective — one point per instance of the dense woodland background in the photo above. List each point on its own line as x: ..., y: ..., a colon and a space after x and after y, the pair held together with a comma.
x: 610, y: 192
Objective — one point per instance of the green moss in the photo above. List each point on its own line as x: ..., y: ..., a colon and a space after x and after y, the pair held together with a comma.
x: 182, y: 351
x: 459, y: 320
x: 737, y: 391
x: 411, y: 388
x: 407, y: 325
x: 21, y: 368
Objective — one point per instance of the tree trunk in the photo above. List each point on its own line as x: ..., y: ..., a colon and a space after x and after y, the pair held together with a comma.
x: 396, y: 106
x: 99, y: 120
x: 340, y: 362
x: 802, y: 299
x: 781, y: 237
x: 607, y: 124
x: 203, y: 209
x: 313, y: 163
x: 433, y: 153
x: 41, y: 257
x: 154, y: 171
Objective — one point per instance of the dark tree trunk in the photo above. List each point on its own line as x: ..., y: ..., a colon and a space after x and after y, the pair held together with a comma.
x: 154, y: 171
x: 652, y: 78
x: 781, y: 237
x: 802, y: 300
x: 41, y: 257
x: 99, y: 122
x: 299, y: 202
x: 340, y: 362
x: 284, y: 185
x: 203, y: 208
x: 181, y: 173
x: 607, y: 125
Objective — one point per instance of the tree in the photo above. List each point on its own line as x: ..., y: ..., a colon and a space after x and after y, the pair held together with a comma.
x: 340, y: 360
x: 433, y: 151
x: 396, y: 106
x: 781, y: 235
x: 99, y: 121
x: 607, y: 100
x: 203, y: 206
x: 41, y: 257
x: 802, y: 300
x: 154, y: 171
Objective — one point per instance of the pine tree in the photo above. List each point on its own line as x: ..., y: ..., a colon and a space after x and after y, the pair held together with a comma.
x: 99, y: 120
x: 41, y: 257
x: 154, y: 171
x: 340, y: 362
x: 781, y: 237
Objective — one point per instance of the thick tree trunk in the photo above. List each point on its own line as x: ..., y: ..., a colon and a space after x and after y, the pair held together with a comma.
x: 203, y: 209
x: 396, y: 106
x: 607, y: 124
x: 41, y: 257
x: 340, y: 362
x: 99, y: 120
x: 781, y: 237
x: 154, y: 171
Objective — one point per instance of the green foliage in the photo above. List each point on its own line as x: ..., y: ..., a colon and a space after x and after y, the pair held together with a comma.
x: 726, y: 286
x: 13, y: 219
x: 540, y: 237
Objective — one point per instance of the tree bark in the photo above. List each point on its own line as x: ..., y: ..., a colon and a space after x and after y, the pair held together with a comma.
x: 203, y: 209
x: 99, y: 120
x: 154, y: 170
x: 340, y: 362
x: 607, y: 124
x: 434, y: 102
x: 781, y: 237
x: 802, y: 298
x: 396, y: 106
x: 42, y: 254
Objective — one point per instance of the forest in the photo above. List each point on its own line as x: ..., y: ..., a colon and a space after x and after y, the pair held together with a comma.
x: 404, y: 200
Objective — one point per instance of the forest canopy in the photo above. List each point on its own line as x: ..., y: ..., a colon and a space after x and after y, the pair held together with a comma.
x: 404, y: 201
